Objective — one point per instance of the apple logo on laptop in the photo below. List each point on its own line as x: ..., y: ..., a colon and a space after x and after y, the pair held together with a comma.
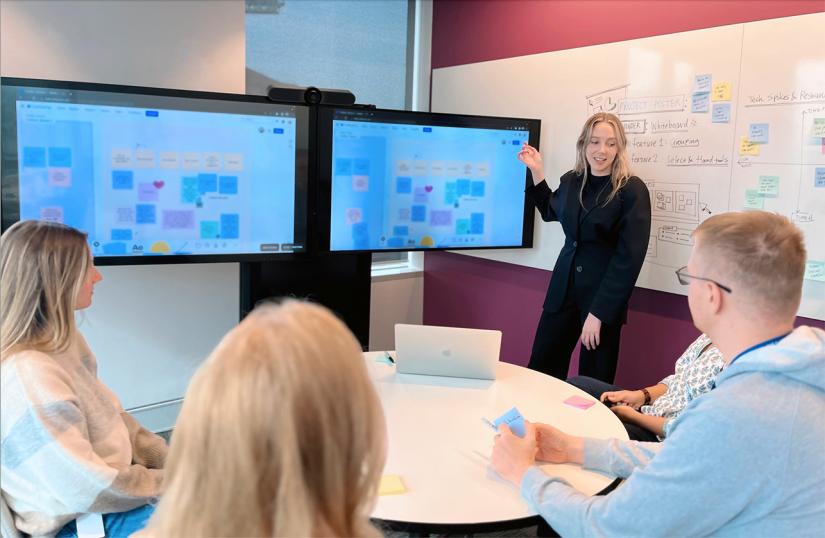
x: 447, y: 353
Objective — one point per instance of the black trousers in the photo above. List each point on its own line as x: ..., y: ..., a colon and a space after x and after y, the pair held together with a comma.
x: 556, y: 337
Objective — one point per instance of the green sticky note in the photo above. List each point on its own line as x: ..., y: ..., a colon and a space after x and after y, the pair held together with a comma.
x: 768, y: 185
x: 815, y: 270
x: 753, y: 200
x: 819, y: 128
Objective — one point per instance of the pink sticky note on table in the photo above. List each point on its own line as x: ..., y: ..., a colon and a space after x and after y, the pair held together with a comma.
x: 578, y: 402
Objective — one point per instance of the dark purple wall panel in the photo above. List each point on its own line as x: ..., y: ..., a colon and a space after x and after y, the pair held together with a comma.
x: 481, y: 30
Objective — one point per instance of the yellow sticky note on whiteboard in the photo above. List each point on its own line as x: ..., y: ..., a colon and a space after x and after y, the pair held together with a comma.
x: 746, y: 147
x: 721, y: 91
x: 391, y: 484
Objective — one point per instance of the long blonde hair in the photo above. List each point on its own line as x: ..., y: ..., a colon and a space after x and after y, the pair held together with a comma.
x: 620, y: 172
x: 42, y: 267
x: 281, y: 434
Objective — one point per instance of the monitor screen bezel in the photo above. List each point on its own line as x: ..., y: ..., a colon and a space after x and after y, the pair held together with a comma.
x: 305, y: 142
x: 326, y: 116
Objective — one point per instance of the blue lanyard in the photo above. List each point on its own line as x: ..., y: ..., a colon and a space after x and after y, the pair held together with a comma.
x: 757, y: 346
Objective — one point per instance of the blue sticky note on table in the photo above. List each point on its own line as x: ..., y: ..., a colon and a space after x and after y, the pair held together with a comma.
x: 819, y: 177
x: 700, y: 102
x: 758, y: 133
x: 514, y: 421
x: 720, y: 113
x: 122, y: 180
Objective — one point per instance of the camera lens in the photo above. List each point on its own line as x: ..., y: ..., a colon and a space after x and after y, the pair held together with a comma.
x: 312, y: 95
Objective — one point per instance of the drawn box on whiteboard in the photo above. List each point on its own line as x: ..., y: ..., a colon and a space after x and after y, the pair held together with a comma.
x: 675, y: 201
x: 635, y: 126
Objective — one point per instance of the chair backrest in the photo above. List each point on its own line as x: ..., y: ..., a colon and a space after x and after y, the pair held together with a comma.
x: 7, y: 528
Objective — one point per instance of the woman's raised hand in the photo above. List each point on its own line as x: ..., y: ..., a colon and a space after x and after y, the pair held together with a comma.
x: 531, y: 157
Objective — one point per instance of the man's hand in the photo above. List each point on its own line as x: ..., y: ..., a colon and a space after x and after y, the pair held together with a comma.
x: 556, y: 446
x: 512, y: 455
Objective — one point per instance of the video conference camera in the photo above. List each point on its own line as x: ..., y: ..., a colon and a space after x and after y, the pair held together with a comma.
x: 311, y: 96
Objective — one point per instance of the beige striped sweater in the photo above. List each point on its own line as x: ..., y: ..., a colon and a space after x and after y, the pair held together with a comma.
x: 67, y: 446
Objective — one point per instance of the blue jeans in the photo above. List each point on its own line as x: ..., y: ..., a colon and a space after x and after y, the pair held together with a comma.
x: 116, y: 525
x: 596, y: 388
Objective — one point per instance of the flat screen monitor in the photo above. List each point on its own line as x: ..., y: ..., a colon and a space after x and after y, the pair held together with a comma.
x: 153, y: 175
x: 398, y: 180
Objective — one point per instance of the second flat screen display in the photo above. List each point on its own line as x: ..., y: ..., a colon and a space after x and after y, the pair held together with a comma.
x: 406, y: 181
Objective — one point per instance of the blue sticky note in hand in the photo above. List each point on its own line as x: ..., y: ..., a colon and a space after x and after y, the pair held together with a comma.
x: 514, y: 421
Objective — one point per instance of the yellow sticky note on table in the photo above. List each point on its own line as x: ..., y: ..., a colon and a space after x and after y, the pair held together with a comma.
x: 746, y: 147
x: 391, y: 484
x: 721, y: 91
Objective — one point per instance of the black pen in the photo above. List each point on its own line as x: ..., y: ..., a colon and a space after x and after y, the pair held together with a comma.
x: 389, y: 357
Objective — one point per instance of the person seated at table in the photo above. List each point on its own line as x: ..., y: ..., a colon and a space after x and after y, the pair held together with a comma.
x: 281, y: 434
x: 745, y: 459
x: 68, y: 447
x: 647, y: 414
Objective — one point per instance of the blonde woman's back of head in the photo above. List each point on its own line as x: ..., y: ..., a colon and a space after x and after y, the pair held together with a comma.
x: 42, y: 266
x: 281, y: 433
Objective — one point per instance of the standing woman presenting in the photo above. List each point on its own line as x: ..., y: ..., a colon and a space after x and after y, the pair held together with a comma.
x: 604, y: 211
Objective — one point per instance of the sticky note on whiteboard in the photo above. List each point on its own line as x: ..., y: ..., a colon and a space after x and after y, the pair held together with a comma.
x: 815, y: 270
x: 818, y: 128
x: 753, y: 200
x: 701, y: 83
x: 819, y: 177
x: 721, y: 91
x: 746, y: 147
x: 758, y: 133
x: 768, y: 185
x: 700, y: 102
x: 721, y: 113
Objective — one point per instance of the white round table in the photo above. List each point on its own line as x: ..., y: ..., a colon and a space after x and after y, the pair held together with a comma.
x: 440, y: 447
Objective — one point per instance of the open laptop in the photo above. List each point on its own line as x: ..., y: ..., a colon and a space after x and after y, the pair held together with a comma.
x: 446, y: 351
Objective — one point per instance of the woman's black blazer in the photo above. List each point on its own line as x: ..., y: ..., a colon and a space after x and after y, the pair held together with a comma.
x: 604, y: 247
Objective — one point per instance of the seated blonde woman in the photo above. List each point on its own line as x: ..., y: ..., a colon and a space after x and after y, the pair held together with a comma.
x: 281, y: 434
x: 68, y: 447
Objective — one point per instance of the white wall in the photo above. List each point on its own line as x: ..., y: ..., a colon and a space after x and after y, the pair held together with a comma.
x: 150, y: 325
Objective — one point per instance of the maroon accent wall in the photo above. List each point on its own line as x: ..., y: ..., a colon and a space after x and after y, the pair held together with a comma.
x: 463, y: 291
x: 479, y: 30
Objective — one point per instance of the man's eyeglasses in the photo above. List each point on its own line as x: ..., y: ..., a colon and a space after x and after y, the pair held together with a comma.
x: 684, y: 279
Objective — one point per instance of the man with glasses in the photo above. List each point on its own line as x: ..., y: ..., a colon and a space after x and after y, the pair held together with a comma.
x: 745, y: 459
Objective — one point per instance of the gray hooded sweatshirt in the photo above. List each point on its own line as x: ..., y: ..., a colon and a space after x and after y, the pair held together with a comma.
x: 745, y: 459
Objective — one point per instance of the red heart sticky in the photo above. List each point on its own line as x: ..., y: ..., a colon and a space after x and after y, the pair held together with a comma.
x: 158, y: 184
x: 428, y: 188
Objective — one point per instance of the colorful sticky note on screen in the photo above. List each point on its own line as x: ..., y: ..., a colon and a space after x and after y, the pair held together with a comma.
x: 513, y: 420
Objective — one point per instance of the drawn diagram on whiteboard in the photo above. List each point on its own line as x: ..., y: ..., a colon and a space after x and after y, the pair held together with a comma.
x: 675, y: 201
x: 606, y: 100
x: 674, y: 234
x: 651, y: 248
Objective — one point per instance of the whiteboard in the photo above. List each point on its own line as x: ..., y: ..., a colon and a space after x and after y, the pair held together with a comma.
x: 687, y: 100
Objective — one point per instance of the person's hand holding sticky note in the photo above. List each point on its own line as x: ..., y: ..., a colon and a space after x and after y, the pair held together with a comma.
x: 514, y: 421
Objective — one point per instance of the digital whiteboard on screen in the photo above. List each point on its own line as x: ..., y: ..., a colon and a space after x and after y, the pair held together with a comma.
x: 405, y: 181
x: 156, y: 175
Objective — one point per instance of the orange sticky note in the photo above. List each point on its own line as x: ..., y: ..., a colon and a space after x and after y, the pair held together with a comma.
x: 391, y: 484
